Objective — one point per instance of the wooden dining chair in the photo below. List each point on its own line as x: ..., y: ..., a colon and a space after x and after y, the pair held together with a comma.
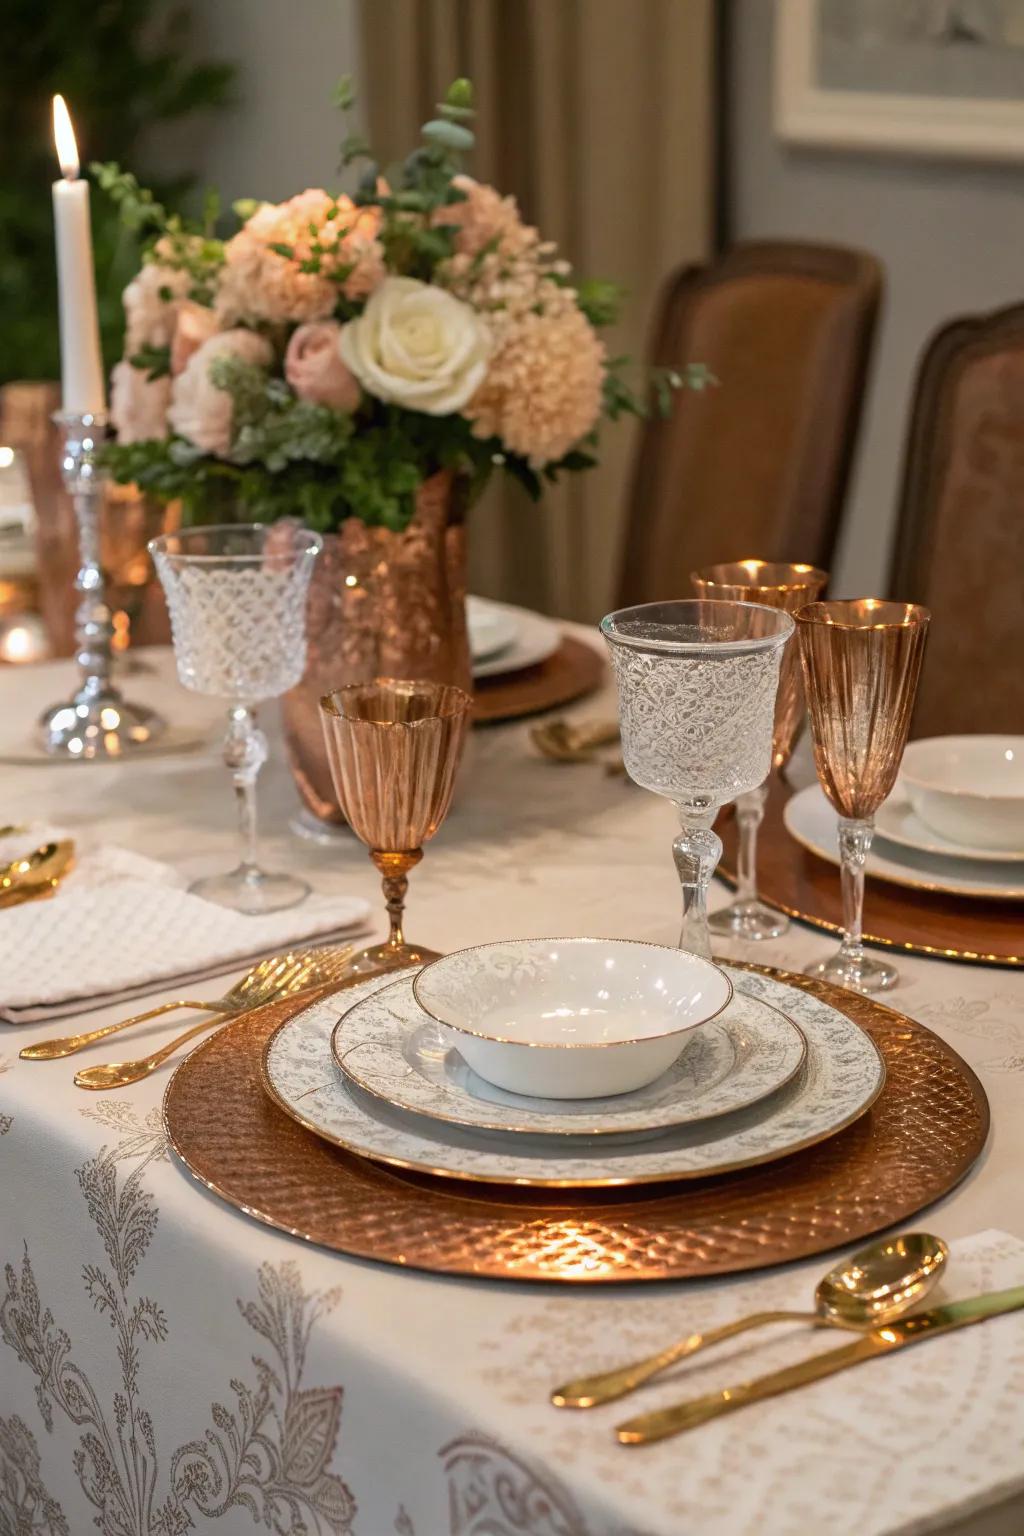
x: 757, y: 465
x: 960, y: 538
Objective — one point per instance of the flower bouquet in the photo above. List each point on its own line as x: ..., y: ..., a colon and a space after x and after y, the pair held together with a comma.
x: 364, y: 363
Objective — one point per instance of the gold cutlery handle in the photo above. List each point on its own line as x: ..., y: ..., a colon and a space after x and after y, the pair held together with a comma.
x: 915, y: 1329
x: 50, y: 1050
x: 606, y: 1386
x: 118, y: 1074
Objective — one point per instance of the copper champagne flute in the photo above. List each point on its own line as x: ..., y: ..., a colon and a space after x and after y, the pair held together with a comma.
x: 773, y: 584
x: 861, y: 662
x: 394, y: 748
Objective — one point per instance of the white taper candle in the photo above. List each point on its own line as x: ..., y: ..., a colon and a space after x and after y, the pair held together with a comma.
x: 81, y: 362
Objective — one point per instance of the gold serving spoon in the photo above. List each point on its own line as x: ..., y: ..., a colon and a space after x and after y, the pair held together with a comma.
x: 261, y: 984
x: 874, y: 1287
x: 301, y: 973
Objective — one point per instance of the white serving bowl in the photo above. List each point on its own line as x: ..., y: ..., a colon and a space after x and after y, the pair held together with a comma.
x: 969, y: 788
x: 571, y: 1018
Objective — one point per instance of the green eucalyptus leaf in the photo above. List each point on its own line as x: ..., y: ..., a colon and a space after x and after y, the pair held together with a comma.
x: 449, y: 135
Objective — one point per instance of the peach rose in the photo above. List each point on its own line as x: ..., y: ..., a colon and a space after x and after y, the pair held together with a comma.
x: 194, y: 324
x: 138, y: 404
x: 200, y: 411
x: 314, y: 369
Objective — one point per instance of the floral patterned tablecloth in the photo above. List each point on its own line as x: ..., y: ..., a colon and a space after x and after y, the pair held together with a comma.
x: 167, y: 1365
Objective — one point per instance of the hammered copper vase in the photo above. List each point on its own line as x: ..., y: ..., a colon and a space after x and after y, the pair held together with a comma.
x: 382, y: 604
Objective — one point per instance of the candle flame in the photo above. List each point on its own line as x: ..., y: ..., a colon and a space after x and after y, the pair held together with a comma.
x: 64, y: 138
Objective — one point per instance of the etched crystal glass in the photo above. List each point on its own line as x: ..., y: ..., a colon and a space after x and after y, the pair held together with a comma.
x: 697, y: 682
x: 861, y: 660
x: 394, y: 748
x: 237, y: 600
x: 775, y: 584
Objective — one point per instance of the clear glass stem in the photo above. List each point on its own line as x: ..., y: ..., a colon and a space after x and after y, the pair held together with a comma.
x: 854, y: 845
x: 749, y: 816
x: 696, y: 851
x: 245, y: 752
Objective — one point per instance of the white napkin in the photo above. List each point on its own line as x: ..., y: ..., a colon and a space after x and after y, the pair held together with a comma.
x: 122, y: 925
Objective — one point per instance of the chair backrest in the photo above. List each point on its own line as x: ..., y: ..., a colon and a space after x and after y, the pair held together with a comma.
x: 759, y: 464
x: 960, y: 541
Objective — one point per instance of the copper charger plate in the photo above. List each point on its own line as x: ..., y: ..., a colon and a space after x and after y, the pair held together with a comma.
x: 797, y: 882
x: 915, y: 1144
x: 575, y: 669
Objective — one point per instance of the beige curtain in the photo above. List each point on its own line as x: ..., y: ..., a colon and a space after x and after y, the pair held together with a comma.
x: 597, y: 115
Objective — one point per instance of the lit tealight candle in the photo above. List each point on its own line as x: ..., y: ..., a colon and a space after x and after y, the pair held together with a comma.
x: 81, y: 362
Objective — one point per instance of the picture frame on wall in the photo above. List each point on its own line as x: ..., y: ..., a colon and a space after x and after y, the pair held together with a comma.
x: 926, y: 77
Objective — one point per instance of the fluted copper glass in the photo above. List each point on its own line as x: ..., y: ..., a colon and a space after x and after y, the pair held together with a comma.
x: 861, y: 663
x: 697, y: 683
x: 394, y: 749
x: 775, y: 584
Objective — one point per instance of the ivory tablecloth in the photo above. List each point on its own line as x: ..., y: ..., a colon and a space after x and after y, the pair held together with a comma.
x: 167, y: 1365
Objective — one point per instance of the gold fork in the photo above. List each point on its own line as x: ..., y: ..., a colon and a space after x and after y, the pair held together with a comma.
x: 263, y: 982
x: 305, y: 972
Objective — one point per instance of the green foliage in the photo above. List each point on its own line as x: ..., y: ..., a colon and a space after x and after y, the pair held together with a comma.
x: 123, y: 68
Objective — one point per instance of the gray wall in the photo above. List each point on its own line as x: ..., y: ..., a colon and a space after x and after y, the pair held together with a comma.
x: 950, y: 234
x: 284, y: 132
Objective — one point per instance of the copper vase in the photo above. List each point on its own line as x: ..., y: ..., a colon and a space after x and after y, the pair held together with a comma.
x: 382, y: 604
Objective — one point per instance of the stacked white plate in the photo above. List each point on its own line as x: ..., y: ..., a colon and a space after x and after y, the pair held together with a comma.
x: 371, y: 1072
x: 506, y: 639
x: 907, y: 852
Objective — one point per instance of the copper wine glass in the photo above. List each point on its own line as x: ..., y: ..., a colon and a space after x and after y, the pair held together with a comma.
x: 394, y: 749
x: 774, y: 584
x: 861, y: 662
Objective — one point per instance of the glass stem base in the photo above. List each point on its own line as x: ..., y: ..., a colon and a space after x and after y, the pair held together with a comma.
x: 747, y: 917
x: 850, y: 966
x: 249, y: 890
x: 696, y: 852
x: 857, y: 971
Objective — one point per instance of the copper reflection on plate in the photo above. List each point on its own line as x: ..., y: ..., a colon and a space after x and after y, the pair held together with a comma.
x: 917, y: 1141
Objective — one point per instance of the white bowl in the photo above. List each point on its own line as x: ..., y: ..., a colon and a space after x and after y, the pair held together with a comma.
x: 969, y: 788
x: 571, y: 1018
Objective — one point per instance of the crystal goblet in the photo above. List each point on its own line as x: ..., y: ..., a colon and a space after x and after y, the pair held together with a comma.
x: 861, y: 661
x: 237, y: 599
x: 775, y: 584
x: 394, y: 748
x: 697, y: 681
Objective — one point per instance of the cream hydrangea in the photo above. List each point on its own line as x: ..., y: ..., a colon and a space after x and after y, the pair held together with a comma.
x: 417, y: 346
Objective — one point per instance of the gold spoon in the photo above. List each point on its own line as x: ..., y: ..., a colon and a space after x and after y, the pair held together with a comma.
x: 45, y: 863
x: 306, y: 973
x: 868, y: 1290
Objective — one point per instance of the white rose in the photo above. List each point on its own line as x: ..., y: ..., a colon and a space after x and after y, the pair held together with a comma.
x: 199, y: 410
x: 417, y: 346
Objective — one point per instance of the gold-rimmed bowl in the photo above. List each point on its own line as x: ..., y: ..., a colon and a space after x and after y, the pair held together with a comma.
x: 571, y: 1018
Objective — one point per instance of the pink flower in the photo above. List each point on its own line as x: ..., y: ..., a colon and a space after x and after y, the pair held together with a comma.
x: 259, y: 283
x: 138, y: 404
x: 314, y: 369
x: 195, y: 323
x: 200, y: 411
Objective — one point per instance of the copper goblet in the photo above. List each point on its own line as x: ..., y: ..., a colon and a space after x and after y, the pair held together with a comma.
x: 861, y: 662
x: 394, y: 748
x: 774, y: 584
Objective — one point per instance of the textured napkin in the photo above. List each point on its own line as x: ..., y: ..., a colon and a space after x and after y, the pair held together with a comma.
x: 122, y: 925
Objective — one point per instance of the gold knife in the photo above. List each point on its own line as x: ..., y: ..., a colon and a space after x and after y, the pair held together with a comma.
x: 663, y: 1422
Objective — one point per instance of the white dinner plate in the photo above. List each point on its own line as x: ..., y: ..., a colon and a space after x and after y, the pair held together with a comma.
x: 812, y: 822
x: 535, y: 640
x: 390, y: 1047
x: 492, y: 628
x: 898, y: 822
x: 841, y: 1077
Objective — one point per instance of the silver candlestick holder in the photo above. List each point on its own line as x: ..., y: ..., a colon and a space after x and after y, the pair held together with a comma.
x: 97, y: 722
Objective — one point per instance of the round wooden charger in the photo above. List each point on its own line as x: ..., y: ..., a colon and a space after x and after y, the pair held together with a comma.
x: 917, y: 1141
x: 574, y: 670
x: 802, y: 885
